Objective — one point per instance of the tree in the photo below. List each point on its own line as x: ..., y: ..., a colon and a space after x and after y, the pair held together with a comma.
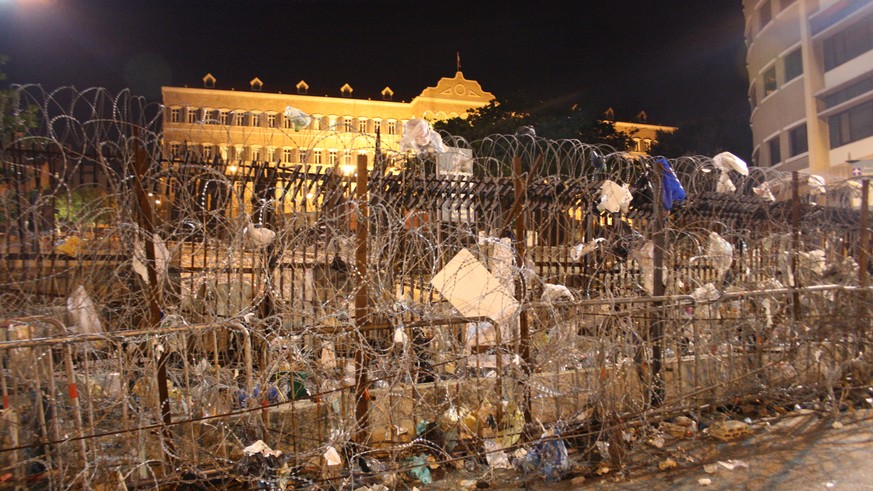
x: 14, y: 119
x: 506, y: 115
x: 706, y: 137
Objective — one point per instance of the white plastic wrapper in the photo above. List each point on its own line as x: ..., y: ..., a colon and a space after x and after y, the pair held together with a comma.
x: 764, y: 191
x: 162, y: 258
x: 727, y: 161
x: 614, y: 197
x: 581, y: 250
x: 721, y: 252
x: 725, y: 185
x: 817, y: 185
x: 556, y: 293
x: 84, y: 312
x: 258, y: 235
x: 419, y: 137
x: 298, y: 118
x: 259, y: 447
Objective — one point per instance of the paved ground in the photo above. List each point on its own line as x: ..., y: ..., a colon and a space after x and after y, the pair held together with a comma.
x: 795, y: 453
x: 801, y: 450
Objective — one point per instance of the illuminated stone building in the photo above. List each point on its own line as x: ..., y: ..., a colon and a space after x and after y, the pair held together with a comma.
x: 810, y: 65
x: 251, y: 125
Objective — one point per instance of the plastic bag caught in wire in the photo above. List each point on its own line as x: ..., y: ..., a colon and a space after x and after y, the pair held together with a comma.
x: 419, y: 137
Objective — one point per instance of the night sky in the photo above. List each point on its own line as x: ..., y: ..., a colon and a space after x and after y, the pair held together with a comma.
x: 679, y: 60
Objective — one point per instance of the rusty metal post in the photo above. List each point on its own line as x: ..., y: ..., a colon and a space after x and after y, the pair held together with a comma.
x: 863, y: 260
x: 656, y: 335
x: 520, y: 243
x: 362, y: 300
x: 147, y: 223
x: 795, y: 243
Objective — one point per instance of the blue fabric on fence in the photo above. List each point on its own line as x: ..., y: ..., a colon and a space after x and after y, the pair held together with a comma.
x: 672, y: 189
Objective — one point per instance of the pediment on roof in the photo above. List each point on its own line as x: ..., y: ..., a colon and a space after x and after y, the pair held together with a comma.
x: 458, y: 88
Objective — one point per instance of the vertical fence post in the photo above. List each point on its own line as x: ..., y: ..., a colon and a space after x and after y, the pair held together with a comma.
x: 520, y: 243
x: 863, y: 260
x: 795, y: 244
x: 361, y: 302
x: 657, y: 327
x: 147, y: 223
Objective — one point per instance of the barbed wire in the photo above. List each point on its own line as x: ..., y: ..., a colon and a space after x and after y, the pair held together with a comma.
x: 493, y: 305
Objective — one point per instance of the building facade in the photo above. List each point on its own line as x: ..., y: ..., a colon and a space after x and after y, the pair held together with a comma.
x: 253, y: 125
x: 810, y: 65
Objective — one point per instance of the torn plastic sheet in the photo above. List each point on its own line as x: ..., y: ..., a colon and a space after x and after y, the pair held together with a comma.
x: 332, y: 457
x: 259, y: 235
x: 84, y: 312
x: 162, y: 258
x: 672, y: 189
x: 727, y: 161
x: 581, y: 250
x: 721, y: 252
x: 297, y: 118
x: 421, y: 470
x: 764, y: 191
x: 259, y: 447
x: 556, y: 293
x: 471, y: 289
x: 614, y: 197
x: 817, y: 184
x: 419, y: 137
x: 548, y: 458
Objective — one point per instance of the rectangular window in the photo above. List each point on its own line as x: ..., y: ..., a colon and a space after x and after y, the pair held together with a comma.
x: 287, y: 155
x: 377, y: 126
x: 851, y: 125
x: 793, y: 65
x: 175, y: 150
x: 392, y: 127
x: 362, y: 126
x: 286, y: 123
x: 347, y: 157
x: 192, y: 115
x: 256, y: 154
x: 347, y: 124
x: 770, y: 81
x: 256, y: 119
x: 331, y: 158
x: 175, y: 115
x: 797, y: 141
x: 775, y: 153
x: 239, y: 119
x: 207, y: 151
x: 317, y: 154
x: 222, y: 117
x: 304, y: 156
x: 849, y: 43
x: 856, y: 89
x: 765, y: 14
x: 316, y: 123
x: 271, y: 120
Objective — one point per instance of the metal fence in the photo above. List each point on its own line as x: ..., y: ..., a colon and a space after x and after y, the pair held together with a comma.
x: 164, y: 314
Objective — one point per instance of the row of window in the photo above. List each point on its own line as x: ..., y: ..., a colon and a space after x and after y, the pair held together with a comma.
x: 765, y: 11
x: 283, y: 155
x: 792, y: 67
x: 849, y: 43
x: 223, y: 117
x: 798, y: 143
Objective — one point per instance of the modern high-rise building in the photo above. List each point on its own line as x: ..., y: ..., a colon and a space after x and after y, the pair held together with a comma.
x: 810, y: 66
